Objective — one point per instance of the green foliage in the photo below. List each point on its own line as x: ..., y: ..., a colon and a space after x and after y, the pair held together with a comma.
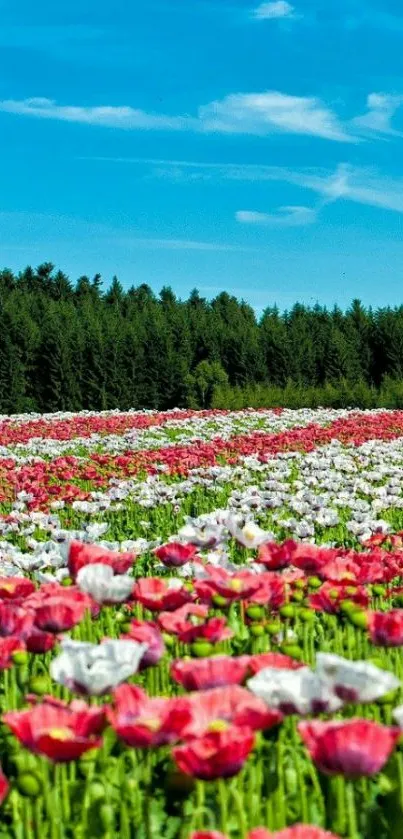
x: 71, y: 346
x: 206, y: 378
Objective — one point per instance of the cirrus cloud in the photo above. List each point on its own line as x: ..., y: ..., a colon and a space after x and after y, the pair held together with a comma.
x: 258, y: 114
x: 274, y: 10
x: 288, y: 216
x: 239, y: 113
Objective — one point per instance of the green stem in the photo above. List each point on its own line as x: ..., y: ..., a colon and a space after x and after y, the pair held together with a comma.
x: 223, y: 799
x: 351, y: 811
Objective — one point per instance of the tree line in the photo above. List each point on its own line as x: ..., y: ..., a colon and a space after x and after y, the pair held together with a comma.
x: 73, y: 346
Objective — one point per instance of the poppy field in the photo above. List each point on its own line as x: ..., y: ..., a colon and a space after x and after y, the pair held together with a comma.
x: 201, y: 625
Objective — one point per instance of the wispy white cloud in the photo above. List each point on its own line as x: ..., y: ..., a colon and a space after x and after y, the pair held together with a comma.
x: 263, y: 113
x: 288, y: 216
x: 150, y: 243
x: 378, y: 118
x: 258, y: 114
x: 239, y: 113
x: 346, y: 182
x: 108, y: 115
x: 274, y: 10
x: 362, y: 186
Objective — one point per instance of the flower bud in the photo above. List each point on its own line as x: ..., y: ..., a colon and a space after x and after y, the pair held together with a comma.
x: 359, y: 619
x: 256, y: 630
x: 96, y: 791
x: 219, y: 600
x: 67, y: 581
x: 347, y: 606
x: 39, y: 685
x: 20, y: 657
x: 314, y: 582
x: 169, y: 640
x: 202, y: 649
x: 307, y: 615
x: 255, y: 612
x: 273, y: 628
x: 287, y: 611
x: 29, y: 784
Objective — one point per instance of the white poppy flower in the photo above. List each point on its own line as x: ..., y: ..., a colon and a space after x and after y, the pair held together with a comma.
x: 294, y: 691
x: 95, y: 669
x: 250, y: 535
x: 103, y: 585
x: 354, y: 681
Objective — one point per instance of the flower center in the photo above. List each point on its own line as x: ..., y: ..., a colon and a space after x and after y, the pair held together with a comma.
x: 249, y: 532
x: 218, y: 725
x: 60, y: 733
x: 152, y: 723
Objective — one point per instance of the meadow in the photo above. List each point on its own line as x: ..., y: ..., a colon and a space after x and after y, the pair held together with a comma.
x: 201, y: 622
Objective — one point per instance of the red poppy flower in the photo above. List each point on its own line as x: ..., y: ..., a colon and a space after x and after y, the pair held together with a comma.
x: 8, y: 646
x: 330, y: 595
x: 386, y: 628
x: 178, y: 621
x: 205, y: 673
x: 374, y: 571
x: 297, y: 831
x: 311, y: 558
x: 15, y: 620
x: 395, y: 540
x: 219, y: 754
x: 160, y: 595
x: 350, y: 747
x: 271, y: 591
x: 57, y: 615
x: 147, y: 632
x: 283, y: 662
x: 175, y: 554
x: 142, y: 721
x: 237, y: 586
x: 57, y: 730
x: 275, y: 556
x: 13, y: 587
x: 81, y: 554
x: 71, y: 595
x: 341, y: 569
x: 217, y: 709
x: 40, y: 642
x: 213, y: 630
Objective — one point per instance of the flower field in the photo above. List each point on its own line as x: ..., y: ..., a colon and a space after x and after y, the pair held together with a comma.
x: 201, y: 625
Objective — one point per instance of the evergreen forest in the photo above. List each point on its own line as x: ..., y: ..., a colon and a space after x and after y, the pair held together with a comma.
x: 68, y: 346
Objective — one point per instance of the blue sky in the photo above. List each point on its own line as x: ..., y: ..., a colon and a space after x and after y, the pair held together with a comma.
x: 222, y: 144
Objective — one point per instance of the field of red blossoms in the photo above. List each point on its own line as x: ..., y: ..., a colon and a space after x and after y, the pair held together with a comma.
x: 201, y: 625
